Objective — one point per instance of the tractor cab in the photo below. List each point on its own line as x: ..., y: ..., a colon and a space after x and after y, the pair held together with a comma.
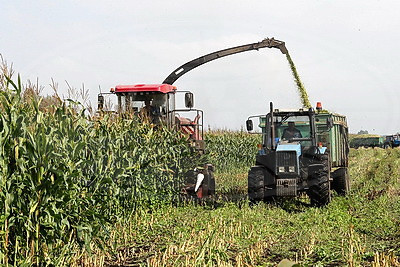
x: 288, y: 130
x: 156, y: 104
x: 291, y: 128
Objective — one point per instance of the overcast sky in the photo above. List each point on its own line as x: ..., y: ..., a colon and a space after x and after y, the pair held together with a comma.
x: 346, y: 52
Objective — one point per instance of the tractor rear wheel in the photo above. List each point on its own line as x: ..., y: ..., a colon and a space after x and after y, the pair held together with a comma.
x: 320, y: 193
x: 341, y: 181
x: 256, y: 184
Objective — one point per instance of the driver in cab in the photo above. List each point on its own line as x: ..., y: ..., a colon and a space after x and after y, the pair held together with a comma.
x: 291, y: 132
x: 148, y: 111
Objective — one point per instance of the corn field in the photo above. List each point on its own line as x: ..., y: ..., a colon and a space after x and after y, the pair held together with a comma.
x: 83, y: 191
x: 65, y: 178
x: 360, y: 229
x: 229, y: 150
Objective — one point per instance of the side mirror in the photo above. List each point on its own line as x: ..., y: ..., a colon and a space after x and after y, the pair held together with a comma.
x: 100, y: 102
x: 249, y: 125
x: 189, y: 100
x: 329, y: 122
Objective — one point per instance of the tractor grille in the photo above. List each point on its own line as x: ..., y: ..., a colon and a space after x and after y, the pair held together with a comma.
x: 286, y: 163
x: 286, y: 158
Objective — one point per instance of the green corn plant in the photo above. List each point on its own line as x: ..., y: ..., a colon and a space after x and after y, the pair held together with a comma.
x: 65, y: 179
x: 232, y: 150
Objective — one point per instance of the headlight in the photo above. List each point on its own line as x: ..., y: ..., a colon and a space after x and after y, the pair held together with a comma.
x: 292, y: 169
x: 281, y: 169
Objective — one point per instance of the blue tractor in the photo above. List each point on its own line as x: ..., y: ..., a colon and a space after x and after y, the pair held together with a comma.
x: 303, y: 150
x: 392, y: 141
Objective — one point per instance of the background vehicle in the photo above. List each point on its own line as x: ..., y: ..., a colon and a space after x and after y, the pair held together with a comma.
x: 313, y: 162
x: 367, y: 141
x: 392, y: 141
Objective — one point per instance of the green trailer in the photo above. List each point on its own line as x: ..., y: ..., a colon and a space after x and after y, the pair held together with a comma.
x: 367, y: 141
x: 332, y: 132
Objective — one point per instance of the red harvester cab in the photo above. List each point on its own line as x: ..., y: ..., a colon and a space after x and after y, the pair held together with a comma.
x: 158, y: 103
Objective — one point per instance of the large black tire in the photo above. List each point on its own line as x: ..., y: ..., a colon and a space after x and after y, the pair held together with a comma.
x: 320, y: 192
x: 341, y: 181
x: 256, y: 184
x: 211, y: 182
x: 387, y: 145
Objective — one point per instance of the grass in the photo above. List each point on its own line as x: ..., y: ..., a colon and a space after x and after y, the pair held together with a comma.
x: 359, y: 229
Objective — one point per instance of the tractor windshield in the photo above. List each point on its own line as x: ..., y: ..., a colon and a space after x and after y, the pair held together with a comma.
x: 153, y: 106
x: 289, y: 128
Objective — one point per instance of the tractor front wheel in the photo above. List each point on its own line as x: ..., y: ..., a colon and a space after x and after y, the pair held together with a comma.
x: 256, y: 184
x: 320, y: 192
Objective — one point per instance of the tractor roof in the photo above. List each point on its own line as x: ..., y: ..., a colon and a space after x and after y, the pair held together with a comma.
x: 161, y: 88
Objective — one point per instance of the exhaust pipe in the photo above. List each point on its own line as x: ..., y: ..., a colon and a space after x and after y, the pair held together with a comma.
x: 271, y: 112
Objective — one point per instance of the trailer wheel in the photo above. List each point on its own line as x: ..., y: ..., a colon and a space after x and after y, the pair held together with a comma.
x: 320, y: 193
x: 341, y: 181
x: 256, y: 184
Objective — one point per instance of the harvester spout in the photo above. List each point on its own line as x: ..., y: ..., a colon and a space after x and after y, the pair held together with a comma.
x: 268, y: 42
x: 272, y: 43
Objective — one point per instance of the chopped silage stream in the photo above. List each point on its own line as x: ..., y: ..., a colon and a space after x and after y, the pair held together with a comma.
x: 300, y: 86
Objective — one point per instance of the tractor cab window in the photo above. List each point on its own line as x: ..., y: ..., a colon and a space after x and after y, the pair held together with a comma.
x: 151, y: 105
x: 292, y: 127
x: 289, y: 128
